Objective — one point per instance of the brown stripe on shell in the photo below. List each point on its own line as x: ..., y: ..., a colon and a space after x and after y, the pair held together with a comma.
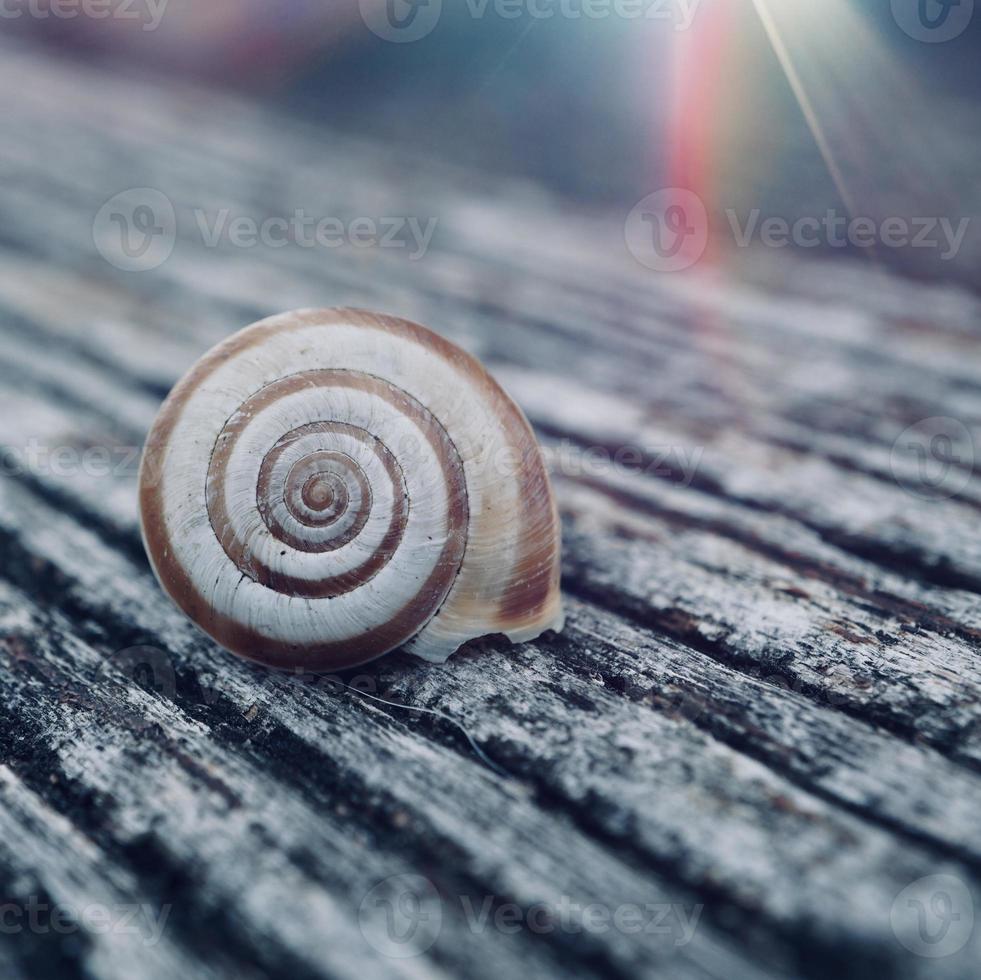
x: 535, y: 579
x: 238, y: 550
x: 312, y: 464
x: 323, y: 494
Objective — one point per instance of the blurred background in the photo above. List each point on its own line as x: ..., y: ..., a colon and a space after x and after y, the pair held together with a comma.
x: 792, y: 107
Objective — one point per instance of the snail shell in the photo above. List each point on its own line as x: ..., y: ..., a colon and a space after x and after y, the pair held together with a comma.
x: 327, y: 485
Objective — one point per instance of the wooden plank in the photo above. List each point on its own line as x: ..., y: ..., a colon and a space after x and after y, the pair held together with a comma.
x: 95, y: 585
x: 239, y: 760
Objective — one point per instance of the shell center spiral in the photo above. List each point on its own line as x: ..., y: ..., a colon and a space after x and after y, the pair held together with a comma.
x: 324, y: 483
x: 317, y: 493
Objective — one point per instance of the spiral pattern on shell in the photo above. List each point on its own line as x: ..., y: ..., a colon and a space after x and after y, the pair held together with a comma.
x: 325, y: 486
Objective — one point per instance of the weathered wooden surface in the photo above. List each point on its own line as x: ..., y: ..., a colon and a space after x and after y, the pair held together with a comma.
x: 762, y: 720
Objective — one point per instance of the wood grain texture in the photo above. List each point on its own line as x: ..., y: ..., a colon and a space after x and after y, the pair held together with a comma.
x: 762, y: 719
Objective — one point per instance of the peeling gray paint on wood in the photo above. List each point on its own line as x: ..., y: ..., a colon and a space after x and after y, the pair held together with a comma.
x: 763, y: 716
